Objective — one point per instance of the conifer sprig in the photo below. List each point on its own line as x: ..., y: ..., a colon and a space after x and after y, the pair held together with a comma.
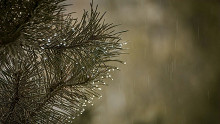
x: 51, y: 64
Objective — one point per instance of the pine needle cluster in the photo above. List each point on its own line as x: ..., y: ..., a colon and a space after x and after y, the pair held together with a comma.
x: 51, y: 64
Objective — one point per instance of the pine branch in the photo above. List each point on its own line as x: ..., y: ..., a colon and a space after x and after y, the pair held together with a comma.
x: 56, y: 64
x: 13, y: 36
x: 16, y: 97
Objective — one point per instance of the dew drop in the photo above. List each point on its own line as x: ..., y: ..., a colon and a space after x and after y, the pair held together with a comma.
x: 100, y: 97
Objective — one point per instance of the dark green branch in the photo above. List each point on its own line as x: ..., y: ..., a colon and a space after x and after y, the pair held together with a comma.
x: 13, y: 36
x: 16, y: 97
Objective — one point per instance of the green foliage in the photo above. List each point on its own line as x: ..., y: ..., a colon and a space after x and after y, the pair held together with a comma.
x: 51, y: 65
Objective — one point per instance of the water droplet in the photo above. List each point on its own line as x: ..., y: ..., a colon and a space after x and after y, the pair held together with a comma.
x: 100, y: 97
x: 120, y: 45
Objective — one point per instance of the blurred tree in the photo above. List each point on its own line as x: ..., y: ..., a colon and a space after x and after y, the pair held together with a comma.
x: 203, y: 19
x: 174, y: 66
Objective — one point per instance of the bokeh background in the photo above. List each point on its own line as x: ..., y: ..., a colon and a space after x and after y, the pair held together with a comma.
x: 172, y: 75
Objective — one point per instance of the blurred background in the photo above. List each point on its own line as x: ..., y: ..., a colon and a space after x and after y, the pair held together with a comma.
x: 172, y: 75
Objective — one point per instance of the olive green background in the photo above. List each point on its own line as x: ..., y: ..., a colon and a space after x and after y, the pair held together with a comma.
x: 172, y: 75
